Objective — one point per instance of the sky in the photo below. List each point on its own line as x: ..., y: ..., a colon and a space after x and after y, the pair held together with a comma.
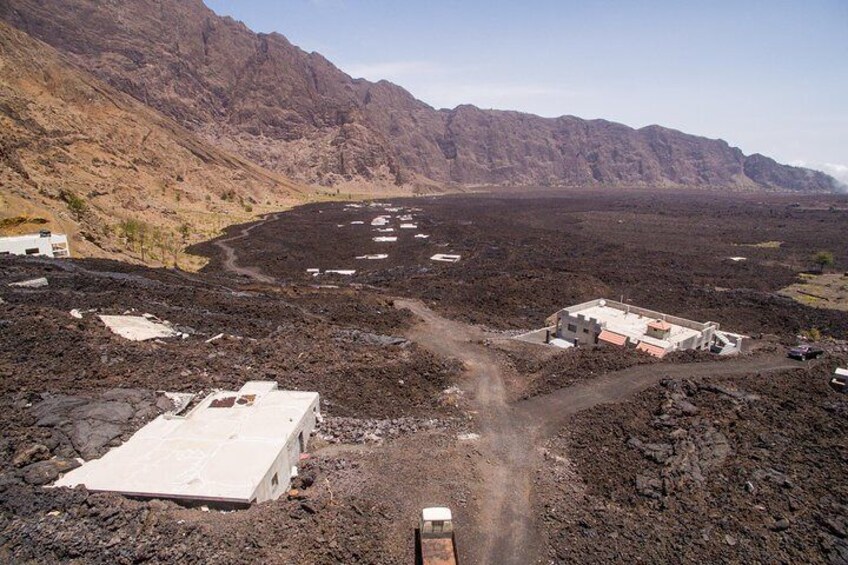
x: 768, y: 76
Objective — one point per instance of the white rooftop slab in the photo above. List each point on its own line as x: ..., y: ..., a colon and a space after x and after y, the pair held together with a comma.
x: 234, y: 447
x: 343, y: 272
x: 421, y: 236
x: 385, y: 239
x: 32, y: 283
x: 633, y: 325
x: 137, y: 328
x: 374, y: 256
x: 408, y: 227
x: 842, y: 372
x: 446, y: 258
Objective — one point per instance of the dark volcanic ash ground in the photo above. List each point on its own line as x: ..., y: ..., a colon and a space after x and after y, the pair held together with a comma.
x: 744, y: 466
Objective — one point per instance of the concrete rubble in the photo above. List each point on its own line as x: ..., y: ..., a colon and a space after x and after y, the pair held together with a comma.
x: 40, y: 282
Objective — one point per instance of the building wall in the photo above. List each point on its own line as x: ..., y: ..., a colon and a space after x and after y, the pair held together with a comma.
x: 577, y: 328
x: 289, y: 457
x: 35, y: 245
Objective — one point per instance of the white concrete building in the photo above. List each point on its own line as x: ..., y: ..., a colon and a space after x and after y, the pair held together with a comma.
x: 605, y: 321
x: 233, y: 448
x: 43, y: 243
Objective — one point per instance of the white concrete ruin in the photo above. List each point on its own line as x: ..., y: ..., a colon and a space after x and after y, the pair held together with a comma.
x: 446, y: 258
x: 233, y: 448
x: 137, y: 328
x: 421, y: 236
x: 343, y: 272
x: 385, y: 239
x: 44, y: 243
x: 374, y: 257
x: 380, y: 221
x: 40, y: 282
x: 408, y: 227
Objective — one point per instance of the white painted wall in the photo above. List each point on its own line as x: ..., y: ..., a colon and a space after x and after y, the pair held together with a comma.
x: 53, y: 245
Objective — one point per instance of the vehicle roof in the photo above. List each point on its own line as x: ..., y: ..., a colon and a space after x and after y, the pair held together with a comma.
x: 436, y: 514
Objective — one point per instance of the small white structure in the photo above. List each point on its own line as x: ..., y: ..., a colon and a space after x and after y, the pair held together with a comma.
x: 137, y: 328
x: 43, y: 244
x: 386, y: 239
x: 374, y: 256
x: 342, y: 272
x: 234, y: 448
x: 380, y: 221
x: 40, y: 282
x: 408, y: 227
x: 421, y: 236
x: 445, y: 258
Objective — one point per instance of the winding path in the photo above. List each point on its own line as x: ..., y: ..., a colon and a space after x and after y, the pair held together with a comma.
x: 230, y: 261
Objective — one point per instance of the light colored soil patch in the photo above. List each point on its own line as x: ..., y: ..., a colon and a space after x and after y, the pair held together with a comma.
x: 829, y: 290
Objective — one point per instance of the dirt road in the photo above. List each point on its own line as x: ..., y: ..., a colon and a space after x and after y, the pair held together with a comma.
x: 552, y: 410
x: 511, y: 435
x: 230, y: 261
x: 505, y: 524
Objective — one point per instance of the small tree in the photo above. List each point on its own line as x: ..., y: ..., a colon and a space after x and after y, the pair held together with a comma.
x: 185, y: 232
x: 75, y: 204
x: 823, y: 259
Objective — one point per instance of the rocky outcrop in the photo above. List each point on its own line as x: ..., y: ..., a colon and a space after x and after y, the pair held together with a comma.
x: 295, y: 112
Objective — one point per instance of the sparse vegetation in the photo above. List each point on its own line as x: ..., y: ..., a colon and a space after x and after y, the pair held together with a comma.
x: 813, y: 334
x: 76, y: 204
x: 822, y: 260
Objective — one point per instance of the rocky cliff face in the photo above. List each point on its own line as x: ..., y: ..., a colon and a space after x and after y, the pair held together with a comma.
x: 294, y: 112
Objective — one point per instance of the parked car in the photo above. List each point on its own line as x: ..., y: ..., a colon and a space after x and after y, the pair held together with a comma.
x: 804, y: 352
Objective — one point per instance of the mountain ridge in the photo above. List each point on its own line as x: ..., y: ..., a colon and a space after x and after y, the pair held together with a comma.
x: 262, y: 97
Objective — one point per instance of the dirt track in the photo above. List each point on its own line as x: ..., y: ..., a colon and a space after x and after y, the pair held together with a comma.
x: 511, y: 434
x: 230, y: 260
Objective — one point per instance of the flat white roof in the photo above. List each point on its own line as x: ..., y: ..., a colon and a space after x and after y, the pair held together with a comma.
x: 633, y: 325
x: 436, y: 514
x: 221, y: 450
x: 137, y: 328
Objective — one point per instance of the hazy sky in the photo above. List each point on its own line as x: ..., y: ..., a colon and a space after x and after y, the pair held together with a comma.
x: 768, y: 76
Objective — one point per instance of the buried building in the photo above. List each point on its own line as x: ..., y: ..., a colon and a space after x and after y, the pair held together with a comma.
x: 233, y: 448
x: 609, y: 322
x: 43, y: 243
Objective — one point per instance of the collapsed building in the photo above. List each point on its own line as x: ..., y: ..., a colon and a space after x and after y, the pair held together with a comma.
x: 603, y: 321
x: 232, y: 448
x: 43, y: 243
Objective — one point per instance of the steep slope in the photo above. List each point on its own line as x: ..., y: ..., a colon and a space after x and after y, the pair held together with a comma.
x: 85, y: 158
x: 294, y: 112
